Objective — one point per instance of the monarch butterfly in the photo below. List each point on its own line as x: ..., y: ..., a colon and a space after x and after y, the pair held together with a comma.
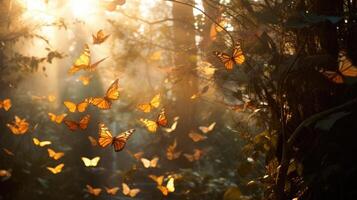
x: 100, y: 37
x: 85, y: 79
x: 57, y: 118
x: 112, y: 191
x: 106, y: 101
x: 129, y: 192
x: 57, y: 169
x: 37, y: 142
x: 171, y: 153
x: 207, y: 129
x: 6, y: 104
x: 197, y: 153
x: 19, y: 126
x: 228, y: 60
x: 84, y: 62
x: 137, y: 155
x: 118, y: 142
x: 93, y: 191
x: 82, y: 124
x: 154, y: 103
x: 72, y: 107
x: 196, y: 137
x: 90, y: 162
x: 150, y: 163
x: 345, y: 68
x: 152, y: 126
x: 54, y: 155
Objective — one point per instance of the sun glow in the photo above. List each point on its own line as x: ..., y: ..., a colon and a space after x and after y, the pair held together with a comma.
x: 36, y: 10
x: 83, y: 8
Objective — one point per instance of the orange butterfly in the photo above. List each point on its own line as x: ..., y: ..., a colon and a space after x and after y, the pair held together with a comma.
x: 37, y: 142
x: 6, y: 104
x: 171, y: 153
x: 152, y: 126
x: 195, y: 156
x: 92, y: 141
x: 5, y: 173
x: 230, y: 61
x: 154, y: 103
x: 112, y: 191
x: 84, y: 62
x: 57, y: 118
x: 207, y: 129
x: 57, y: 169
x: 19, y: 126
x: 72, y: 107
x: 118, y: 142
x: 93, y: 191
x: 196, y: 137
x: 129, y: 192
x: 150, y: 163
x: 82, y: 124
x: 100, y: 37
x: 112, y: 94
x: 346, y: 68
x: 137, y: 155
x: 54, y: 155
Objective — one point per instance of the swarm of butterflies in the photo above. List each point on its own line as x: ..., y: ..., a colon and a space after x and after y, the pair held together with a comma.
x: 105, y: 138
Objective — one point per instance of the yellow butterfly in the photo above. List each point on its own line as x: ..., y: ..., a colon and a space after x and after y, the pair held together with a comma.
x: 170, y: 187
x: 84, y: 62
x: 207, y: 129
x: 57, y: 169
x: 173, y: 126
x: 54, y: 155
x: 37, y: 142
x: 150, y: 163
x: 93, y: 191
x: 171, y: 153
x: 112, y: 191
x: 85, y: 79
x: 196, y: 137
x: 57, y: 118
x: 6, y: 104
x: 129, y: 192
x: 105, y: 102
x: 19, y: 126
x: 152, y: 126
x: 72, y: 107
x: 154, y: 103
x: 100, y: 37
x: 90, y: 162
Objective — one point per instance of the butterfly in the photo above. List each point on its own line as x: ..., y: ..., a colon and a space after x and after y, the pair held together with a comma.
x: 5, y: 173
x: 118, y: 142
x: 90, y: 162
x: 57, y: 118
x: 85, y: 79
x: 82, y: 124
x: 6, y: 104
x: 152, y: 126
x: 173, y: 126
x: 105, y: 102
x: 215, y: 29
x: 92, y: 141
x: 150, y: 163
x: 196, y: 137
x: 230, y: 61
x: 57, y: 169
x: 37, y: 142
x: 129, y: 192
x: 195, y: 156
x: 345, y: 68
x: 207, y: 129
x: 154, y: 103
x: 137, y: 155
x: 19, y: 126
x: 171, y: 153
x: 112, y: 191
x: 93, y: 191
x: 158, y: 179
x: 170, y: 187
x: 83, y: 62
x: 54, y: 155
x: 100, y: 37
x: 72, y: 107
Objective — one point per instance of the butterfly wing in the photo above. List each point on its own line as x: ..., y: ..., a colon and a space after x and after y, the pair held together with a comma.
x: 93, y: 66
x: 119, y: 141
x: 146, y: 162
x: 105, y: 137
x: 81, y: 107
x: 154, y: 161
x: 100, y: 102
x: 54, y: 155
x: 113, y: 91
x: 171, y: 185
x: 56, y: 169
x: 72, y: 107
x: 150, y: 125
x: 6, y: 104
x: 196, y: 137
x: 72, y: 125
x: 162, y: 119
x: 83, y: 123
x: 238, y: 56
x: 225, y: 59
x: 83, y: 61
x: 112, y: 191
